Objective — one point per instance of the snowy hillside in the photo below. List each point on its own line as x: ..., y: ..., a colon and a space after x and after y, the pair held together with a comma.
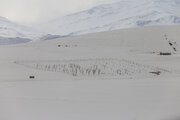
x: 10, y: 30
x: 124, y: 14
x: 11, y: 33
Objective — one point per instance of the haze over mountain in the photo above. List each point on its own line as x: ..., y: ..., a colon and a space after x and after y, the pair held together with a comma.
x: 14, y: 33
x: 11, y: 33
x: 123, y: 14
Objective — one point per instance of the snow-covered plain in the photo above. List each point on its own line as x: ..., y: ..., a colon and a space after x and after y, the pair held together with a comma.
x: 99, y: 76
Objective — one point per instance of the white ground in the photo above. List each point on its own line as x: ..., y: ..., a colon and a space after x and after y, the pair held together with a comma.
x: 57, y: 95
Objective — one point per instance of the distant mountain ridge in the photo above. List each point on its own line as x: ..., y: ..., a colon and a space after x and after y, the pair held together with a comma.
x: 12, y: 33
x: 123, y: 14
x: 10, y: 29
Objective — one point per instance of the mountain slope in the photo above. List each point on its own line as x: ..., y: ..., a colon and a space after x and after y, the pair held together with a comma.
x: 12, y: 33
x: 123, y: 14
x: 9, y: 29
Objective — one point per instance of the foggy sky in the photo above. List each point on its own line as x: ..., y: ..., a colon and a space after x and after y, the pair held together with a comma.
x: 34, y: 11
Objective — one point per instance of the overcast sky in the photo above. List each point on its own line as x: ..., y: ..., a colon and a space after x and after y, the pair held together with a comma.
x: 34, y: 11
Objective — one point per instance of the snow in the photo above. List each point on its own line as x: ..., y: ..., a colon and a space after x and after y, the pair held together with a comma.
x: 55, y: 94
x: 13, y: 33
x: 105, y: 17
x: 9, y: 29
x: 122, y: 14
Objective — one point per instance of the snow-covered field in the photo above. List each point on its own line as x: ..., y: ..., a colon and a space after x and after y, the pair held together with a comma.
x: 116, y: 75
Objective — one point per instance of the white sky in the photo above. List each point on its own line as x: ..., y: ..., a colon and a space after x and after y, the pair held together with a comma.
x: 34, y: 11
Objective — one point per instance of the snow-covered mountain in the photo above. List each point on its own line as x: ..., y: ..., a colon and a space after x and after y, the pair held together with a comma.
x: 11, y: 33
x: 123, y: 14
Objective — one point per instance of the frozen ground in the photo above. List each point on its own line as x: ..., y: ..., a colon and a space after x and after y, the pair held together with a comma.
x: 117, y: 75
